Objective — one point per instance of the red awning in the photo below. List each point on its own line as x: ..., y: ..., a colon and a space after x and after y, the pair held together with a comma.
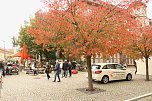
x: 23, y: 54
x: 17, y: 54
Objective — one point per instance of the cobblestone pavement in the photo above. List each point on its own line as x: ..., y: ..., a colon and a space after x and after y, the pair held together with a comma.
x: 24, y: 87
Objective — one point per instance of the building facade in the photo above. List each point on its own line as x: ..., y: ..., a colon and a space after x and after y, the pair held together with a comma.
x: 6, y: 53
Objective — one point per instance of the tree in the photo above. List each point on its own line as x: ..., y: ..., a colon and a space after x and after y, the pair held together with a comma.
x: 88, y: 28
x: 14, y: 41
x: 24, y: 36
x: 32, y: 47
x: 140, y: 45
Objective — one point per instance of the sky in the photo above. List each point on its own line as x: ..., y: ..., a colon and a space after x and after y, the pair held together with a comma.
x: 13, y: 13
x: 149, y: 9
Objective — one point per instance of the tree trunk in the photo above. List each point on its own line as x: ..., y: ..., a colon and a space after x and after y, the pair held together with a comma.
x: 90, y: 83
x: 147, y: 71
x: 121, y: 58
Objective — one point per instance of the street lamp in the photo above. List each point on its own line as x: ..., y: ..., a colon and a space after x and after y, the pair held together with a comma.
x: 4, y: 50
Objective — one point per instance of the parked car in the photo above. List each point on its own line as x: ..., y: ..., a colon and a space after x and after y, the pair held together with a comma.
x: 106, y: 72
x: 29, y: 71
x: 77, y: 66
x: 12, y: 69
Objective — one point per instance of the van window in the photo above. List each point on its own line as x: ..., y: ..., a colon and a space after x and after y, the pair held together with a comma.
x: 120, y: 67
x: 95, y: 66
x: 105, y: 67
x: 111, y: 66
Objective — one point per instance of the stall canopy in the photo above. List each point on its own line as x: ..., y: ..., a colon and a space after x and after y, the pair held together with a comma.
x: 17, y: 54
x: 23, y: 54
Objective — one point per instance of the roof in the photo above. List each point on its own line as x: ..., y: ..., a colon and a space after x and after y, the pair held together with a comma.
x: 7, y: 51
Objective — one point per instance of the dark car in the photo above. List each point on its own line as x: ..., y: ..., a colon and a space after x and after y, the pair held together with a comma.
x: 12, y: 69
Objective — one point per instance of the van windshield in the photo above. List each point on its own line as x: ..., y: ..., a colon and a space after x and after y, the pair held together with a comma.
x: 95, y: 67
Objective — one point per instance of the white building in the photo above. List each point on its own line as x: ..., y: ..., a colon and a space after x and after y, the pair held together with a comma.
x: 141, y: 66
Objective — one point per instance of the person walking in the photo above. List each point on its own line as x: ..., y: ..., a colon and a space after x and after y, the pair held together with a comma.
x: 70, y: 68
x: 47, y: 71
x: 57, y: 72
x: 135, y: 64
x: 65, y: 68
x: 2, y: 70
x: 61, y: 69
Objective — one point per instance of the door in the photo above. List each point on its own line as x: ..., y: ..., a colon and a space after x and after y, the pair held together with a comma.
x: 111, y: 71
x: 120, y: 72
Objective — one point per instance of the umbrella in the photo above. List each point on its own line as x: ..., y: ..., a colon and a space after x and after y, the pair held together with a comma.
x: 17, y: 54
x: 24, y: 53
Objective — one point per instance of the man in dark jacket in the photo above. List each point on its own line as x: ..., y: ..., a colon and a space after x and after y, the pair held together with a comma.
x: 65, y: 68
x: 47, y: 71
x: 57, y: 72
x: 2, y: 71
x: 70, y: 68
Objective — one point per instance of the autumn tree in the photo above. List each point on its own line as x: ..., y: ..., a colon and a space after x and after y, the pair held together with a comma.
x: 14, y: 41
x: 24, y: 36
x: 32, y: 47
x: 140, y: 45
x: 84, y: 28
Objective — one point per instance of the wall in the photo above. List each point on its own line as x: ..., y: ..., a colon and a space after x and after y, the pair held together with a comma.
x: 141, y: 66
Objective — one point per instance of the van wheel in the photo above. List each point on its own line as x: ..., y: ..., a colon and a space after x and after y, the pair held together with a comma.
x: 105, y: 79
x: 129, y: 77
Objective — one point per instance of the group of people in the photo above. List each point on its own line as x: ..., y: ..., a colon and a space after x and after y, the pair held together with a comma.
x: 64, y: 69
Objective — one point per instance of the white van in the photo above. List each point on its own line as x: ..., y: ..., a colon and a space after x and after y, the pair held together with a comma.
x: 106, y: 72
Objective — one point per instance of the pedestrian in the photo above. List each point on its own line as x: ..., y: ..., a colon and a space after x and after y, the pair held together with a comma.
x: 61, y: 69
x: 35, y: 71
x: 47, y: 71
x: 2, y: 70
x: 135, y: 64
x: 65, y: 68
x: 7, y: 70
x: 74, y: 65
x: 70, y: 68
x: 3, y: 73
x: 57, y: 72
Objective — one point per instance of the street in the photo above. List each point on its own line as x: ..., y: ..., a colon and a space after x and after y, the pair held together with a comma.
x: 24, y: 87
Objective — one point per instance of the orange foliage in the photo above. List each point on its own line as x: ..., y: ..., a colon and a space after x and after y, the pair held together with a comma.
x: 140, y: 44
x: 85, y: 27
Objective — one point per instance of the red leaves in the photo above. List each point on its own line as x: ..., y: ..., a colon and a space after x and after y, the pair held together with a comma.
x: 141, y: 42
x: 68, y: 38
x: 84, y: 28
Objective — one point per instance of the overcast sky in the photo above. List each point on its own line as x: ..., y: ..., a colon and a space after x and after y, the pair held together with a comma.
x: 13, y: 13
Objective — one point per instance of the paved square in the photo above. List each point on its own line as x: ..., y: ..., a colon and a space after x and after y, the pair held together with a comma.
x: 24, y: 87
